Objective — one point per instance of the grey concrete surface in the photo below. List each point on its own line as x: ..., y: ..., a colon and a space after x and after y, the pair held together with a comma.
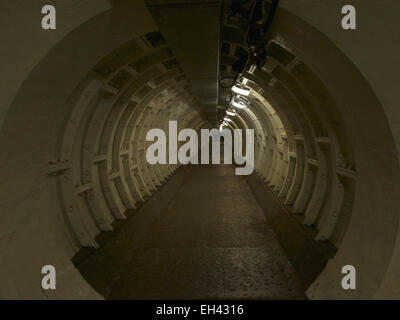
x: 308, y: 257
x: 197, y: 41
x: 211, y: 241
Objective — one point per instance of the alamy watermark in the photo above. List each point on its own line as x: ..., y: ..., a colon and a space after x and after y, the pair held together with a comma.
x: 237, y: 149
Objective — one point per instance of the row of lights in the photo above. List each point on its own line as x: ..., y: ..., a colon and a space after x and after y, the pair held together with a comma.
x: 237, y: 102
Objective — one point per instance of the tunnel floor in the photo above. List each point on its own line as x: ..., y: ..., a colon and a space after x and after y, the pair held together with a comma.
x: 211, y: 241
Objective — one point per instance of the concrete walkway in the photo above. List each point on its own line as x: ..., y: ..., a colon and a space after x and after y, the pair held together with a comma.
x: 211, y: 241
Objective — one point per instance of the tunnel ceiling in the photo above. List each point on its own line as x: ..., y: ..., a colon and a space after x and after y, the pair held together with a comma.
x: 196, y: 45
x: 233, y: 54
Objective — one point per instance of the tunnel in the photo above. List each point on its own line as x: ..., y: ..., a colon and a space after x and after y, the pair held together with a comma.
x: 77, y: 191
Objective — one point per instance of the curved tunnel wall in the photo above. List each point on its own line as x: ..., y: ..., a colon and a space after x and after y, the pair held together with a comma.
x: 305, y: 155
x: 101, y: 169
x: 324, y: 156
x: 94, y: 96
x: 88, y: 147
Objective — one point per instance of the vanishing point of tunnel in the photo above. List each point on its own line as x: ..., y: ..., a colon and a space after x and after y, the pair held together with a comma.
x: 187, y: 149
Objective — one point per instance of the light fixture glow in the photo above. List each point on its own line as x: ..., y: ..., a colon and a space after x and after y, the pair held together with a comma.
x: 230, y: 113
x: 227, y: 119
x: 252, y: 68
x: 238, y: 105
x: 241, y: 99
x: 242, y: 91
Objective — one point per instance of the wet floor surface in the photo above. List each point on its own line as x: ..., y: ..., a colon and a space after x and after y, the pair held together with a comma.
x: 212, y: 241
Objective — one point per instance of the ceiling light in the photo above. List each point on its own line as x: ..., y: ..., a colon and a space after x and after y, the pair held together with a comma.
x: 227, y: 119
x: 239, y: 90
x: 241, y: 99
x: 238, y: 105
x: 252, y: 68
x: 230, y: 113
x: 244, y: 80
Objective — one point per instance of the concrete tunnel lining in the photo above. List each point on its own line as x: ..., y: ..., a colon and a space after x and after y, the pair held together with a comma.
x: 31, y: 203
